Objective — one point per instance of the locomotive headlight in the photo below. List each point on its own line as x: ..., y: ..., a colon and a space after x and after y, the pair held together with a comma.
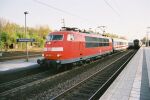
x: 58, y: 55
x: 48, y: 42
x: 42, y: 55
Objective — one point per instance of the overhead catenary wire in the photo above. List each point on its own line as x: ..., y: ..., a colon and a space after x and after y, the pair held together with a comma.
x: 116, y: 4
x: 60, y: 10
x: 50, y: 6
x: 112, y: 8
x: 88, y: 21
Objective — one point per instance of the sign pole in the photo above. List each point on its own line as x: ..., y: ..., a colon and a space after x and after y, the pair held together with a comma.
x: 26, y: 36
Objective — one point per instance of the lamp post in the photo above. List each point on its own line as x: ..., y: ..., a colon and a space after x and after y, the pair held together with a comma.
x: 147, y: 37
x: 0, y: 39
x: 25, y: 13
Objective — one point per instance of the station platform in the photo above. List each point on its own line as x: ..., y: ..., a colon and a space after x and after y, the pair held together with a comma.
x: 18, y: 64
x: 133, y: 83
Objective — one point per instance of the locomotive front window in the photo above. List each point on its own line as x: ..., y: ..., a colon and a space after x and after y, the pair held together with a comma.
x: 54, y: 37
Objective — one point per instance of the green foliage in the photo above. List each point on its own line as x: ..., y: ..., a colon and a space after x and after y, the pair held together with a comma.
x: 1, y: 44
x: 18, y: 35
x: 110, y: 35
x: 4, y: 37
x: 144, y: 40
x: 9, y: 32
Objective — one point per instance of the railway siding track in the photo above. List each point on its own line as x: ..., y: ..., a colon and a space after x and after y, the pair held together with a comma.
x: 94, y: 86
x: 13, y: 91
x: 21, y: 81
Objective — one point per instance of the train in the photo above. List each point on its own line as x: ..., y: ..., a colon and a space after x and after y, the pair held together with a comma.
x: 71, y: 45
x: 135, y: 44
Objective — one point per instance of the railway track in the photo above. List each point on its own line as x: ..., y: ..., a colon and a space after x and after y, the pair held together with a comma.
x: 22, y: 81
x: 20, y: 73
x: 35, y: 89
x: 94, y: 86
x: 28, y: 85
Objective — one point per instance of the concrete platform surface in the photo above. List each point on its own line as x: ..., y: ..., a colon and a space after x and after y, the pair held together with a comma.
x: 17, y: 64
x: 147, y: 54
x: 133, y: 81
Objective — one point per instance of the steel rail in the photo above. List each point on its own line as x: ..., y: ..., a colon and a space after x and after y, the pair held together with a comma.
x: 30, y: 84
x: 2, y: 94
x: 96, y: 95
x: 17, y: 81
x: 76, y: 85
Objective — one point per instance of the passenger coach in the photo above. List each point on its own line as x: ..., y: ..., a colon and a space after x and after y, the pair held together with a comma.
x: 119, y: 44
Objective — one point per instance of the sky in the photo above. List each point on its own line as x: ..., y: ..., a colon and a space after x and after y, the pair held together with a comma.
x: 128, y: 18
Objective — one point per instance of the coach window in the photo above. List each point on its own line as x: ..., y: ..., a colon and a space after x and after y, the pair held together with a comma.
x: 70, y: 37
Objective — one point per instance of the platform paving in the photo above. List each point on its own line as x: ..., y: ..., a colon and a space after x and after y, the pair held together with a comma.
x: 147, y: 55
x: 133, y: 81
x: 17, y: 64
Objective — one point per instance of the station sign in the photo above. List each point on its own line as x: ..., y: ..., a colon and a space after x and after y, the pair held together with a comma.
x: 25, y: 40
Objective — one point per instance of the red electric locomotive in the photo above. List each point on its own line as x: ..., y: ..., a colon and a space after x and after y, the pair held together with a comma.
x: 70, y: 45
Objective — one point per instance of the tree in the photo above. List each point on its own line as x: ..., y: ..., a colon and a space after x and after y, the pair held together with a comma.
x: 143, y: 40
x: 9, y: 32
x: 4, y: 40
x: 110, y: 35
x: 43, y: 31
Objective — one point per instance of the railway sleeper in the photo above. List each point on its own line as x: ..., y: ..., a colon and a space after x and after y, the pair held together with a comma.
x: 71, y: 98
x: 93, y: 85
x: 74, y: 97
x: 79, y: 96
x: 93, y: 82
x: 99, y: 79
x: 86, y: 91
x: 90, y: 87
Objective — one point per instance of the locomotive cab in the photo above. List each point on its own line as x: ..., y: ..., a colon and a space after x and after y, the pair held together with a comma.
x: 53, y: 49
x: 57, y: 45
x: 54, y: 46
x: 58, y: 49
